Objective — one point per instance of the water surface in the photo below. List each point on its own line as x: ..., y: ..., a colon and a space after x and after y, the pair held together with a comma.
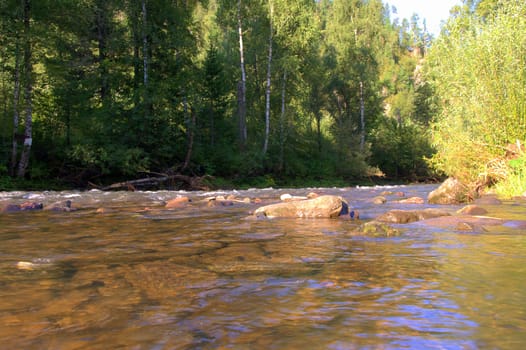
x: 204, y: 277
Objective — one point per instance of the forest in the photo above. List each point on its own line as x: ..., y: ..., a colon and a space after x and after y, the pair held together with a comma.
x: 259, y: 92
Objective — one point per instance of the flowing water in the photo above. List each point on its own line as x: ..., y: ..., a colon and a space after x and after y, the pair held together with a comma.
x: 204, y: 277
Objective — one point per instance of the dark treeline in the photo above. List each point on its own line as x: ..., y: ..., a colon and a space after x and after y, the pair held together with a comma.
x: 103, y: 90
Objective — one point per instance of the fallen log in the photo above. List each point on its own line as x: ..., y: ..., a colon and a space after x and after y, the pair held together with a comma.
x: 194, y: 183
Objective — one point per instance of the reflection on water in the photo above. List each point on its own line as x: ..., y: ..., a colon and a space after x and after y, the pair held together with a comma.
x: 207, y: 278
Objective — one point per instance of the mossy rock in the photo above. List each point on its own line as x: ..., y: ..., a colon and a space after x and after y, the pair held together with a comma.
x: 379, y: 229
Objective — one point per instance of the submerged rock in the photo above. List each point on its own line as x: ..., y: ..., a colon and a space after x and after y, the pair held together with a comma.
x: 451, y: 191
x: 466, y: 223
x: 377, y: 228
x: 488, y: 200
x: 61, y: 206
x: 412, y: 200
x: 406, y: 216
x: 469, y: 227
x: 320, y: 207
x: 472, y: 210
x: 379, y: 200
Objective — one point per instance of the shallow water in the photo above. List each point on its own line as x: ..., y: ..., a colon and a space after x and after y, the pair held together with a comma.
x: 208, y: 278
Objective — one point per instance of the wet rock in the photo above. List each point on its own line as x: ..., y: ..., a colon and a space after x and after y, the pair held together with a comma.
x: 463, y: 222
x: 286, y: 197
x: 488, y: 200
x: 178, y: 202
x: 26, y: 206
x: 61, y: 206
x: 412, y: 200
x: 222, y: 203
x: 377, y: 228
x: 35, y: 264
x: 379, y: 200
x: 320, y: 207
x: 406, y: 216
x: 312, y: 195
x: 472, y: 210
x: 451, y: 191
x: 469, y: 227
x: 25, y: 265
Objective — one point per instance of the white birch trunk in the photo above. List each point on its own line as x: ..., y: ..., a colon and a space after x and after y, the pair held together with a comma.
x: 242, y: 89
x: 28, y: 132
x: 16, y: 115
x: 282, y: 132
x: 267, y: 92
x: 362, y: 118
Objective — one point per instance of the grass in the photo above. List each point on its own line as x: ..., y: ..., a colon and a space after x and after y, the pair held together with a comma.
x: 515, y: 183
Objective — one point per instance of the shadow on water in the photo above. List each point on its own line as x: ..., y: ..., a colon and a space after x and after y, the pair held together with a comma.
x: 207, y: 278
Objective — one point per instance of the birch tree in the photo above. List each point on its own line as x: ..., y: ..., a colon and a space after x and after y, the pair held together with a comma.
x: 242, y: 85
x: 269, y: 75
x: 16, y: 113
x: 28, y: 91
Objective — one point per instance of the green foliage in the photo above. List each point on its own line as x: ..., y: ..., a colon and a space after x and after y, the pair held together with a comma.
x: 400, y: 149
x: 110, y: 159
x: 120, y: 89
x: 515, y: 182
x: 478, y: 70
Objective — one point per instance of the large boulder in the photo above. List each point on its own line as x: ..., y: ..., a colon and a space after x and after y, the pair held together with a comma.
x: 406, y: 216
x: 451, y: 191
x: 320, y: 207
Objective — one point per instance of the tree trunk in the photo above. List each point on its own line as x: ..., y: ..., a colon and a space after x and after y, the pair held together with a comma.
x: 16, y: 115
x: 190, y: 116
x: 267, y: 92
x: 145, y: 44
x: 318, y: 129
x: 362, y: 118
x: 242, y: 87
x: 137, y: 39
x: 102, y: 37
x: 282, y: 133
x: 28, y: 132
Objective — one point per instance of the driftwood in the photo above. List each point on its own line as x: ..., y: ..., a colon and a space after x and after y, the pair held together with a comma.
x: 191, y: 183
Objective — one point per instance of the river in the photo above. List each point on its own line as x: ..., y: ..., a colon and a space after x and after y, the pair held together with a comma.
x: 138, y: 276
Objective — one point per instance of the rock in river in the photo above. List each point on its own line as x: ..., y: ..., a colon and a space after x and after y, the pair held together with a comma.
x: 451, y: 191
x: 9, y: 208
x: 407, y: 216
x: 320, y: 207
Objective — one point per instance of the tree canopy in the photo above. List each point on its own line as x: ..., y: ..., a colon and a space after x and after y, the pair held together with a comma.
x: 280, y: 89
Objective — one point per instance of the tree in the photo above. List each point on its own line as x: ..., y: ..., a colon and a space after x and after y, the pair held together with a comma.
x: 242, y: 87
x: 28, y: 91
x: 269, y: 75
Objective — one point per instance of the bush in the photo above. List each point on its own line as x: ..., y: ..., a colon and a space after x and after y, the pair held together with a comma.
x: 478, y: 70
x: 515, y: 182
